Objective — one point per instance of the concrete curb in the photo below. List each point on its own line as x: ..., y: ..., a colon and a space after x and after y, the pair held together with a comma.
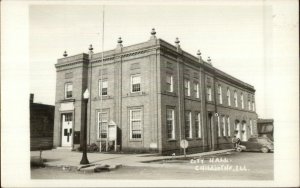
x: 112, y: 165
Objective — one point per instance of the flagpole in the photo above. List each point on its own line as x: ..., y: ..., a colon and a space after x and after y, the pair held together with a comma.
x: 101, y: 77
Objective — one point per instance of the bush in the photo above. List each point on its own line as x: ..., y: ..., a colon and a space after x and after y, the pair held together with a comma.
x: 92, y: 148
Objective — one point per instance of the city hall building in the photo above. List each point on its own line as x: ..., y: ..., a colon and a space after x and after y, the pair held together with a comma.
x: 156, y: 94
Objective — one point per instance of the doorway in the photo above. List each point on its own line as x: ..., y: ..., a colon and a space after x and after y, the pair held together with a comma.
x: 244, y: 131
x: 67, y: 129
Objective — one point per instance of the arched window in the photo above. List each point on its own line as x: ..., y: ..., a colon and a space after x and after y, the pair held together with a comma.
x: 251, y: 127
x: 219, y: 127
x: 235, y: 99
x: 224, y: 125
x: 228, y: 127
x: 228, y: 97
x: 208, y: 93
x: 242, y: 100
x: 220, y: 94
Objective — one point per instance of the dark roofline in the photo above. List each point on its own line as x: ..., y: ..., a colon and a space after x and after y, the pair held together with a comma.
x: 265, y: 120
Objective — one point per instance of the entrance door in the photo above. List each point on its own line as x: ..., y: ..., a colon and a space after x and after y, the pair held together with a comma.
x: 237, y: 130
x: 66, y: 139
x: 244, y: 132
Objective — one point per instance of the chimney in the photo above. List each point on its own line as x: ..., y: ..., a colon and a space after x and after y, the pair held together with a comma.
x: 31, y: 97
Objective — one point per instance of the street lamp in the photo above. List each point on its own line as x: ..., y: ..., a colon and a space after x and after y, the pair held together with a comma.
x: 84, y: 159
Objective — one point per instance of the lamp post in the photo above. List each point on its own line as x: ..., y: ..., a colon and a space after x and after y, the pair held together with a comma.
x: 84, y: 159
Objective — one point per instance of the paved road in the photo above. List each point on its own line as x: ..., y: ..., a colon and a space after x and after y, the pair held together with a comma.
x: 244, y: 166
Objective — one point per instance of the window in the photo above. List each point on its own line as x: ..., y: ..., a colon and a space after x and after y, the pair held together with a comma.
x: 228, y: 126
x: 102, y: 124
x: 68, y: 117
x: 135, y: 83
x: 170, y: 124
x: 219, y: 127
x: 242, y: 100
x: 187, y: 91
x: 224, y: 126
x: 251, y: 127
x: 228, y: 97
x: 253, y: 106
x: 188, y: 125
x: 198, y: 125
x: 208, y: 92
x: 169, y: 81
x: 136, y: 124
x: 220, y: 94
x: 103, y: 85
x: 68, y: 90
x: 235, y: 99
x: 249, y: 105
x: 196, y: 89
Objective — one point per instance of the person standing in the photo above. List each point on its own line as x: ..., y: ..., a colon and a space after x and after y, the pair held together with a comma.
x: 236, y: 141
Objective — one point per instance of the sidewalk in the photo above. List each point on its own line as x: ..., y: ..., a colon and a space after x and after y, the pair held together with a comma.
x: 61, y: 158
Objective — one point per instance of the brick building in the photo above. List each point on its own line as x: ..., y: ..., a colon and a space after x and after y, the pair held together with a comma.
x: 157, y: 94
x: 41, y: 125
x: 265, y: 127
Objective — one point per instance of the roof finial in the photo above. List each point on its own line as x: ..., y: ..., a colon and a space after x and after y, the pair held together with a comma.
x: 177, y: 41
x: 208, y: 60
x: 65, y: 54
x: 91, y: 51
x: 120, y: 40
x: 153, y: 32
x: 199, y: 55
x: 91, y: 48
x: 120, y: 45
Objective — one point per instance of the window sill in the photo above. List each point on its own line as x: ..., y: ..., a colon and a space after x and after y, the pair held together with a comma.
x: 189, y: 139
x: 172, y: 140
x: 198, y: 138
x: 172, y: 93
x: 102, y: 139
x: 135, y: 140
x: 133, y: 94
x: 68, y: 100
x: 104, y: 97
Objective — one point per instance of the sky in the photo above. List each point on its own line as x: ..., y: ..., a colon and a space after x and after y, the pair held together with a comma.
x: 234, y: 36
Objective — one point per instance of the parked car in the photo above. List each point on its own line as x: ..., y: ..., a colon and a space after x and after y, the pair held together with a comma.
x: 263, y: 144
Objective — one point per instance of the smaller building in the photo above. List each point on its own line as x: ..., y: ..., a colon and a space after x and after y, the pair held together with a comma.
x: 41, y: 125
x: 265, y: 127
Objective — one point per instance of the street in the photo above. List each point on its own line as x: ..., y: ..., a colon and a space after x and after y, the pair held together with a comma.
x: 231, y: 166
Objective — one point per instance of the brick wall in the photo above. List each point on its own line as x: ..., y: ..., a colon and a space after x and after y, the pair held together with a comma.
x: 41, y: 126
x: 152, y: 60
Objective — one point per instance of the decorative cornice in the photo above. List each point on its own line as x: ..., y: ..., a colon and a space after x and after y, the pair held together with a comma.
x: 163, y: 47
x: 74, y: 58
